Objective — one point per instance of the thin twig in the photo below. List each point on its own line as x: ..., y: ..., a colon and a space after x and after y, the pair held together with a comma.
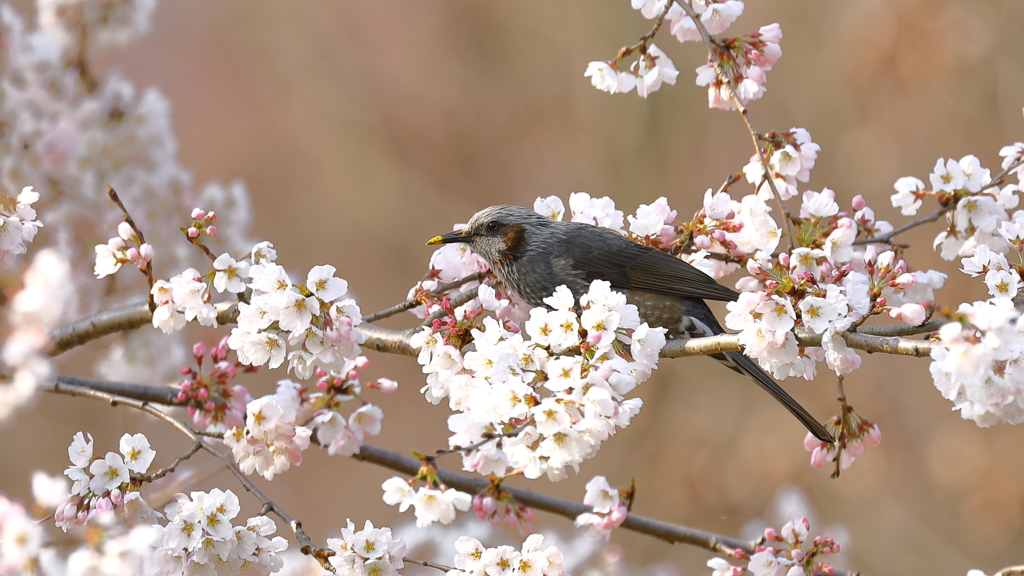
x: 148, y: 270
x: 196, y: 446
x: 440, y: 567
x: 414, y: 302
x: 754, y: 134
x: 456, y: 302
x: 641, y: 45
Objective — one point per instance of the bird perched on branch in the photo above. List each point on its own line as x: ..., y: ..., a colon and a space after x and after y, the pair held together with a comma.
x: 533, y: 254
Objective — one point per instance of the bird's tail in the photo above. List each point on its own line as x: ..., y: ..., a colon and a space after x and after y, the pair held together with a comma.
x: 740, y: 363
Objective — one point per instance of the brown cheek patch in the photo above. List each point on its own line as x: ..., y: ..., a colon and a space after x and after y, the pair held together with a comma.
x: 514, y: 237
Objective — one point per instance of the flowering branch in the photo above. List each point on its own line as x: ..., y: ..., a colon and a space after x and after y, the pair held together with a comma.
x: 888, y: 339
x: 755, y: 136
x: 414, y: 302
x: 305, y: 542
x: 665, y: 531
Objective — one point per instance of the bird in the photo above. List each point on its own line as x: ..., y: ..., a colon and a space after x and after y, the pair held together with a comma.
x: 532, y: 254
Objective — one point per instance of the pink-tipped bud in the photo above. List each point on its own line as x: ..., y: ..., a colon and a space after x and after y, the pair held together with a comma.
x: 481, y: 514
x: 211, y: 230
x: 904, y: 281
x: 702, y: 242
x: 321, y: 385
x: 858, y: 202
x: 512, y: 326
x: 116, y: 497
x: 845, y: 223
x: 185, y: 370
x: 362, y: 362
x: 526, y: 527
x: 488, y: 504
x: 209, y: 406
x: 770, y: 534
x: 199, y: 349
x: 352, y: 375
x: 182, y: 396
x: 386, y: 385
x: 476, y: 501
x: 510, y: 518
x: 494, y: 520
x: 826, y: 568
x: 784, y: 260
x: 771, y: 284
x: 146, y: 252
x: 132, y: 255
x: 193, y: 232
x: 753, y: 268
x: 756, y: 73
x: 212, y: 215
x: 319, y: 372
x: 835, y: 548
x: 125, y: 231
x: 810, y: 442
x: 819, y: 457
x: 527, y: 514
x: 594, y: 338
x: 874, y: 435
x: 797, y: 555
x: 870, y: 254
x: 191, y: 410
x: 718, y: 235
x: 198, y: 213
x: 203, y: 393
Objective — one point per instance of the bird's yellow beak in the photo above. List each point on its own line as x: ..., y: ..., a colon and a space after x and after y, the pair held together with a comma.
x: 449, y: 238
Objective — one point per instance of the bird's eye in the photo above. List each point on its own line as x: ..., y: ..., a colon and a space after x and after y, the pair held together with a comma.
x: 493, y: 225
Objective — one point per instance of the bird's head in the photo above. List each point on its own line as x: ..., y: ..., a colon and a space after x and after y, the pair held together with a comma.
x: 500, y: 233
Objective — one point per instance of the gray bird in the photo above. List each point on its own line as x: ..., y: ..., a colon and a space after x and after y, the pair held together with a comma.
x: 533, y: 254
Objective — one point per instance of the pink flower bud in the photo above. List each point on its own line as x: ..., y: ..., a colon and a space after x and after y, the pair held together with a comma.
x: 199, y: 349
x: 494, y: 520
x: 819, y: 457
x: 191, y: 410
x: 826, y: 568
x: 212, y: 215
x: 131, y: 254
x: 770, y: 534
x: 182, y: 396
x: 203, y: 393
x: 209, y: 406
x: 718, y: 235
x: 835, y: 548
x: 810, y: 442
x: 481, y: 514
x: 510, y: 518
x: 771, y: 284
x: 702, y: 242
x: 116, y: 497
x: 211, y: 230
x: 489, y: 504
x: 858, y: 202
x: 753, y: 268
x: 526, y: 527
x: 797, y: 555
x: 198, y: 213
x: 904, y: 281
x: 146, y: 252
x: 193, y: 232
x: 870, y: 254
x: 594, y: 338
x: 386, y: 385
x: 784, y: 260
x: 352, y: 375
x: 104, y: 504
x: 321, y: 385
x: 527, y: 514
x: 125, y: 231
x: 845, y: 223
x: 362, y: 362
x: 874, y: 435
x: 886, y: 259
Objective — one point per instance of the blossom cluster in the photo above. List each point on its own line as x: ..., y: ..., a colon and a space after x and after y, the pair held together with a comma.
x: 21, y: 539
x: 32, y: 313
x: 211, y: 397
x: 977, y: 209
x: 200, y: 539
x: 609, y: 508
x: 18, y: 224
x: 791, y: 155
x: 533, y: 559
x: 312, y: 325
x: 102, y: 485
x: 826, y: 284
x: 979, y: 366
x: 653, y: 68
x: 370, y: 551
x: 124, y: 248
x: 854, y: 434
x: 271, y: 441
x: 552, y: 391
x: 785, y: 552
x: 430, y: 504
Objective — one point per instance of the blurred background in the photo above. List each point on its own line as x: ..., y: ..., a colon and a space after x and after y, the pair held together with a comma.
x: 364, y: 128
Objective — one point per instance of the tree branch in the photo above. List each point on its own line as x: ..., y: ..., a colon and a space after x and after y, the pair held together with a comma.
x: 414, y: 302
x: 668, y: 532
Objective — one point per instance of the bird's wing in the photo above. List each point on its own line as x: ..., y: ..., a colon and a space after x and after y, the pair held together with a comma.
x: 604, y: 255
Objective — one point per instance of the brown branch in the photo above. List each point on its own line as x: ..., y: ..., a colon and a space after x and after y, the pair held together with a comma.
x: 440, y: 567
x: 1010, y: 571
x: 641, y: 45
x: 410, y: 466
x: 414, y: 302
x: 754, y: 134
x: 888, y: 339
